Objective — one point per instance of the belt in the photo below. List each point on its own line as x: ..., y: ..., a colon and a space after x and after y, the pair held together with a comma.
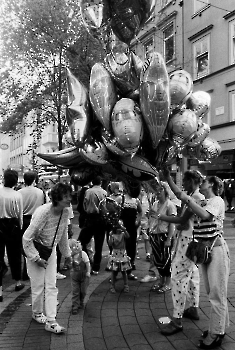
x: 209, y: 241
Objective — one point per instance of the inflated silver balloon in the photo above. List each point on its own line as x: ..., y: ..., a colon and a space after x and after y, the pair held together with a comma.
x: 78, y: 111
x: 209, y: 149
x: 155, y: 96
x: 182, y: 127
x: 112, y: 144
x: 96, y: 155
x: 181, y: 87
x: 199, y: 102
x: 102, y: 94
x: 202, y: 132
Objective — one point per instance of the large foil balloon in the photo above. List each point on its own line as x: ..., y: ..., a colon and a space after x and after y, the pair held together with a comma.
x: 127, y: 124
x: 102, y: 94
x: 96, y: 17
x: 181, y: 86
x: 155, y: 96
x: 78, y: 111
x: 119, y: 63
x: 182, y: 127
x: 67, y: 158
x: 96, y: 155
x: 199, y: 102
x: 112, y: 145
x: 202, y: 132
x: 209, y: 149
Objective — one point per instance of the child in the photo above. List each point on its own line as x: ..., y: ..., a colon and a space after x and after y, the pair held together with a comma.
x: 80, y: 273
x: 118, y: 261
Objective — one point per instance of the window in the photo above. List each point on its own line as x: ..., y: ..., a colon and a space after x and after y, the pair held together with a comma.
x: 201, y: 57
x: 232, y: 105
x: 169, y: 42
x: 148, y: 47
x: 232, y: 42
x: 199, y: 4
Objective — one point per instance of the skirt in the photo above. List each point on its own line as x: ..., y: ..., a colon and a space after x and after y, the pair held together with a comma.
x: 119, y: 261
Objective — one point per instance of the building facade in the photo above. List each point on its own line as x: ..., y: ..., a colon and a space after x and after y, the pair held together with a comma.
x: 199, y: 36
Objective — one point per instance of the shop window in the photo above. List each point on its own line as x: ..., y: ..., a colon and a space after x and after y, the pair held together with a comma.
x: 201, y: 57
x: 199, y: 5
x: 232, y: 105
x: 169, y: 42
x: 232, y: 42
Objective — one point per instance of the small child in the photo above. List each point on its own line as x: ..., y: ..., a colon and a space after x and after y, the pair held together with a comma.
x: 79, y: 273
x: 118, y: 260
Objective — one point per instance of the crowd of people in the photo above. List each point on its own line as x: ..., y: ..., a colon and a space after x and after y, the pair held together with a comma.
x: 166, y: 220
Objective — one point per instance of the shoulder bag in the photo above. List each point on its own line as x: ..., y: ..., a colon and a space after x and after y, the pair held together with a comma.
x: 45, y: 251
x: 200, y: 251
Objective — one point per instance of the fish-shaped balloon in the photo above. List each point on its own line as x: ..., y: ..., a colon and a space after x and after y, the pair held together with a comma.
x: 155, y: 96
x: 102, y: 94
x: 67, y: 158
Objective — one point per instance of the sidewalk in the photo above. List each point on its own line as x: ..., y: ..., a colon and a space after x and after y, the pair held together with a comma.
x: 111, y: 321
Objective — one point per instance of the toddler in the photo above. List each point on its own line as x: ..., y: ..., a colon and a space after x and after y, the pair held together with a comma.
x: 118, y: 260
x: 79, y: 273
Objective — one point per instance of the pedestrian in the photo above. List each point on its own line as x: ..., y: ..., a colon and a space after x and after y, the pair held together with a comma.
x: 79, y: 274
x: 208, y: 228
x: 161, y: 237
x: 95, y: 225
x: 32, y: 197
x: 49, y: 225
x: 11, y: 220
x: 185, y: 280
x: 142, y: 231
x: 131, y: 216
x: 118, y: 260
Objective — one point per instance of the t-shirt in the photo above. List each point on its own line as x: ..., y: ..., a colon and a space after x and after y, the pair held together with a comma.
x: 160, y: 226
x: 33, y: 197
x: 11, y: 204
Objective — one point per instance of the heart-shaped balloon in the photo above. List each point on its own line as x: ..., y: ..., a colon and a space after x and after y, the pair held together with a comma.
x: 182, y: 127
x: 127, y: 124
x: 199, y: 102
x: 96, y: 17
x: 102, y: 94
x: 78, y: 111
x: 155, y: 96
x: 181, y: 87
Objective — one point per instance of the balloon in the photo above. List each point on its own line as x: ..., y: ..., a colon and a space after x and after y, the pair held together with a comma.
x: 149, y: 6
x: 182, y: 127
x: 96, y: 155
x: 96, y: 17
x: 200, y: 135
x: 207, y: 150
x: 181, y: 86
x: 155, y: 97
x: 199, y: 102
x: 112, y: 144
x: 78, y: 111
x: 135, y: 167
x: 119, y: 64
x: 162, y: 152
x: 127, y: 124
x: 102, y: 94
x: 67, y: 158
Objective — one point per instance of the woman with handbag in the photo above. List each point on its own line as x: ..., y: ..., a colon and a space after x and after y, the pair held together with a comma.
x: 48, y: 227
x: 161, y: 234
x: 208, y: 229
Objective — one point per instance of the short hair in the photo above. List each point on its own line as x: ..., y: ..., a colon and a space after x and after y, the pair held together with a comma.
x: 10, y: 178
x: 58, y: 191
x: 97, y: 181
x: 166, y: 188
x: 194, y: 175
x: 29, y: 177
x: 217, y: 185
x: 113, y: 186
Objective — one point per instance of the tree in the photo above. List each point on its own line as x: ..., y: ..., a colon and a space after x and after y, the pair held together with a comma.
x: 40, y: 38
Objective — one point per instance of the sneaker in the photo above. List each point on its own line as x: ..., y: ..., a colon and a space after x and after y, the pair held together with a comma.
x: 40, y: 318
x: 148, y: 279
x: 59, y: 276
x: 94, y: 272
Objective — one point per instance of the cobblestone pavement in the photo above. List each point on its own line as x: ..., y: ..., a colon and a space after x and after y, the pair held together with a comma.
x: 118, y: 321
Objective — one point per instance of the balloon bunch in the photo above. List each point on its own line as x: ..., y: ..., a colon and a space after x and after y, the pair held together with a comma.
x: 135, y: 117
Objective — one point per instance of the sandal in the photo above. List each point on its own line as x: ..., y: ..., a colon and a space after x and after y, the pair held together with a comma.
x: 155, y: 287
x: 163, y: 289
x: 126, y: 289
x: 112, y: 290
x: 39, y: 318
x: 54, y: 328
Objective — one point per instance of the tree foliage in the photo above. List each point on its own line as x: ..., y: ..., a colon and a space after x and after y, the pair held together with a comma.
x: 39, y: 39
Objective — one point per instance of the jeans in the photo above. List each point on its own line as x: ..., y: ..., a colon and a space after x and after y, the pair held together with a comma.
x: 215, y: 276
x: 184, y: 278
x: 43, y: 281
x: 79, y: 284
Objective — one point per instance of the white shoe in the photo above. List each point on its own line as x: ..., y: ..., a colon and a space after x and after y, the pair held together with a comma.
x: 59, y: 276
x: 148, y: 278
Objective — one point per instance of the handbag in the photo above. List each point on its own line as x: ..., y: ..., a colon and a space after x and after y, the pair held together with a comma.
x: 45, y: 251
x: 200, y: 252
